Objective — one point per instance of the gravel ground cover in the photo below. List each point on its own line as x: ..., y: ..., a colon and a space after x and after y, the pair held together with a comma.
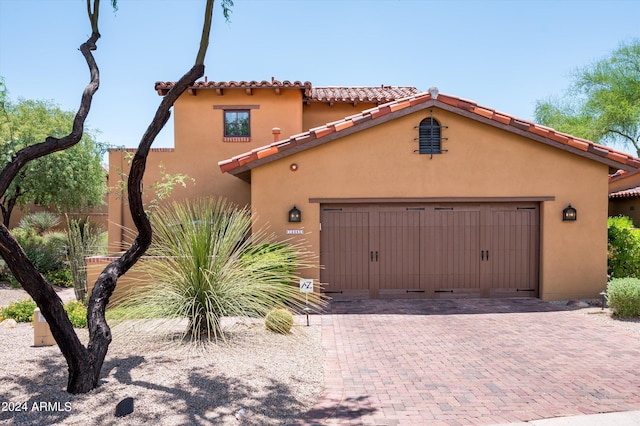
x: 255, y: 378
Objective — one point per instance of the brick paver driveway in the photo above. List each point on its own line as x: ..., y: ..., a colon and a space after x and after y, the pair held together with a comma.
x: 471, y: 362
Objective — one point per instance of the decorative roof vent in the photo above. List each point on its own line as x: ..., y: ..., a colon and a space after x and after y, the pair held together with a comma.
x: 433, y: 91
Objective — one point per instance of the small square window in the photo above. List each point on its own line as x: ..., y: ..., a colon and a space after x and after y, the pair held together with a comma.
x: 236, y: 123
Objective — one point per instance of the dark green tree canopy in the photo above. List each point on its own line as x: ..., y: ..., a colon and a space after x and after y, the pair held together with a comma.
x: 603, y: 104
x: 69, y: 179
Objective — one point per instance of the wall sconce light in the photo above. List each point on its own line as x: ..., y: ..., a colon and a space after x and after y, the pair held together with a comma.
x: 295, y: 215
x: 569, y: 213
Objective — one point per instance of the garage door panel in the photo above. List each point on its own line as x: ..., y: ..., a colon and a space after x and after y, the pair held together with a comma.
x: 455, y: 247
x: 514, y: 252
x: 344, y: 248
x: 431, y: 250
x: 398, y: 255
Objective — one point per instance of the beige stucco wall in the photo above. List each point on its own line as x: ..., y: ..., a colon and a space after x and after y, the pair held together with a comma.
x: 481, y: 161
x: 317, y: 114
x: 629, y: 180
x: 199, y: 145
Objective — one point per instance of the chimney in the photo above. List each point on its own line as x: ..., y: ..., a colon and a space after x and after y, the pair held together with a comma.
x: 276, y: 134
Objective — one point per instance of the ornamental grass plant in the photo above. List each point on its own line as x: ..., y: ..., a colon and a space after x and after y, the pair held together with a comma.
x: 623, y: 297
x: 205, y: 264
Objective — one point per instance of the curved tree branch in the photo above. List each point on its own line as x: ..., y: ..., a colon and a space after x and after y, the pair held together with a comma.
x: 99, y: 331
x: 51, y: 144
x: 32, y: 281
x: 633, y: 141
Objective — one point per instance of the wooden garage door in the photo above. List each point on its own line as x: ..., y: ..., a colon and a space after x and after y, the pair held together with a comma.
x: 455, y: 250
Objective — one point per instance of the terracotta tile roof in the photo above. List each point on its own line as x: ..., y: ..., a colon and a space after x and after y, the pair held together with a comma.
x: 627, y: 193
x: 242, y: 164
x: 163, y: 86
x: 377, y: 94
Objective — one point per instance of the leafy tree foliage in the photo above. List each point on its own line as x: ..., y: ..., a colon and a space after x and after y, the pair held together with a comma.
x: 603, y: 104
x: 68, y: 179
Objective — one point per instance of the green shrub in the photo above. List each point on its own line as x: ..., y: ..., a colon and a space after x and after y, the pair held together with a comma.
x: 46, y: 252
x: 623, y: 297
x: 60, y: 277
x: 40, y: 222
x: 21, y: 311
x: 77, y: 313
x: 279, y: 320
x: 623, y: 248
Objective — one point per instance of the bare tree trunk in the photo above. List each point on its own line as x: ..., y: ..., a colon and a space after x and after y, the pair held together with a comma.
x: 32, y: 281
x: 85, y: 364
x: 99, y: 331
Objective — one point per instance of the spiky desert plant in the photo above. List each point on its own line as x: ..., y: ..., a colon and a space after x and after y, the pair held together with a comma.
x: 84, y: 239
x: 205, y: 263
x: 40, y: 222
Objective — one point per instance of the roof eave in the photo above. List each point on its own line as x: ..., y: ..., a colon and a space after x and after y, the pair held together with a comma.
x: 515, y: 126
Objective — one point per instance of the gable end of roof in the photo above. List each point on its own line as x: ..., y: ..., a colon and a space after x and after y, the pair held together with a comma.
x: 241, y: 165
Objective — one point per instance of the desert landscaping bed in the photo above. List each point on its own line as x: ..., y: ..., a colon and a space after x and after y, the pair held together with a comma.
x: 256, y: 378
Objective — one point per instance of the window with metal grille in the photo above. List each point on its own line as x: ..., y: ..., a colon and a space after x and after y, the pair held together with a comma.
x: 429, y: 137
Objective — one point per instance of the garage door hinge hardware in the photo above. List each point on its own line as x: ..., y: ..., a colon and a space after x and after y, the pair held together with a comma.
x: 332, y: 292
x: 443, y: 291
x: 443, y: 208
x: 415, y: 291
x: 414, y: 208
x: 482, y: 254
x: 372, y: 256
x: 525, y: 289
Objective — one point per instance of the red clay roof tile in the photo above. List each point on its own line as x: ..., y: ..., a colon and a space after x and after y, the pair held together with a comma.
x: 598, y: 150
x: 343, y: 125
x: 539, y: 130
x: 228, y: 165
x: 617, y: 157
x: 584, y: 146
x: 559, y: 137
x: 267, y: 152
x: 469, y: 106
x: 501, y: 118
x: 376, y: 94
x: 323, y: 131
x: 377, y: 112
x: 520, y: 124
x: 626, y: 193
x: 487, y: 113
x: 399, y: 105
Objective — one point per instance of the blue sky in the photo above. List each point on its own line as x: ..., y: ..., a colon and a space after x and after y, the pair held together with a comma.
x: 504, y: 54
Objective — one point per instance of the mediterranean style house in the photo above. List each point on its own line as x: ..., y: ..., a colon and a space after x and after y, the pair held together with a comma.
x: 400, y: 193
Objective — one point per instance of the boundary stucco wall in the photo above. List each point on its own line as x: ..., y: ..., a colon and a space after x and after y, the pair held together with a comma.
x: 482, y: 161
